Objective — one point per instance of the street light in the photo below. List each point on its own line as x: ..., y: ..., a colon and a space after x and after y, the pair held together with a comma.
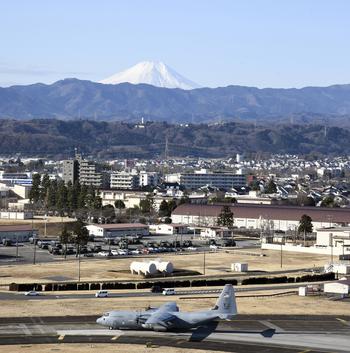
x: 16, y: 247
x: 204, y: 262
x: 281, y: 251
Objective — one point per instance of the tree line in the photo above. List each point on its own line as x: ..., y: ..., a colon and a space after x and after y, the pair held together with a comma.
x: 54, y: 195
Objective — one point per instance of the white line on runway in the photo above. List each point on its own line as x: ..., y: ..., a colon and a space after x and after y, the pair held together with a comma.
x: 98, y: 332
x: 25, y: 329
x: 271, y: 325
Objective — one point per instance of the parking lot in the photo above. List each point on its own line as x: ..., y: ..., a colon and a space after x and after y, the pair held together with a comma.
x: 26, y: 254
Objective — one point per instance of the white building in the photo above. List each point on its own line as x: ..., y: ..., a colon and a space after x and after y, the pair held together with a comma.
x: 130, y: 198
x: 168, y: 229
x: 215, y: 232
x: 340, y: 287
x: 125, y: 180
x: 203, y: 177
x: 336, y: 238
x: 148, y: 178
x: 117, y: 230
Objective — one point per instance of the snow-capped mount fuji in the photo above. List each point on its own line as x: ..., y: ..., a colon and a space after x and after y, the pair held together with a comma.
x: 154, y: 73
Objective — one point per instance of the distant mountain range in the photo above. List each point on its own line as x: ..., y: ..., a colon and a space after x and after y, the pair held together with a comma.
x: 74, y: 99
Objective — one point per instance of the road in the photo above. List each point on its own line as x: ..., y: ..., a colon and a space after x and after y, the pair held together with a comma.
x: 48, y: 296
x: 246, y: 333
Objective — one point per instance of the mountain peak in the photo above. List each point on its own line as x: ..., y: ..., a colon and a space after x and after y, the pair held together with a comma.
x: 154, y: 73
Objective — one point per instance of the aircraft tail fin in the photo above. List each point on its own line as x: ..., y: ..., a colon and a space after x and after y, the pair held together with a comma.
x: 226, y: 304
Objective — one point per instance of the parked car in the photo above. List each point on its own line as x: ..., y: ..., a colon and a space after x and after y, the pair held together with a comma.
x: 168, y: 291
x: 101, y: 294
x: 213, y: 247
x: 115, y: 252
x: 32, y: 293
x: 104, y: 253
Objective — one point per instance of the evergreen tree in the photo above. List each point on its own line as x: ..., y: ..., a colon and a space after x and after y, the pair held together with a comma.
x: 45, y: 184
x: 52, y: 195
x: 163, y: 209
x: 225, y: 217
x: 119, y: 204
x: 34, y: 194
x: 85, y: 199
x: 65, y: 238
x: 97, y: 204
x: 271, y: 187
x: 172, y: 205
x: 80, y: 235
x: 62, y: 194
x: 305, y: 224
x: 145, y: 206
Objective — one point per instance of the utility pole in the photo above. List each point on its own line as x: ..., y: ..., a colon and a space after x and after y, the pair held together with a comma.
x: 204, y: 262
x: 331, y: 248
x: 281, y: 253
x: 45, y: 228
x: 17, y: 248
x: 79, y: 264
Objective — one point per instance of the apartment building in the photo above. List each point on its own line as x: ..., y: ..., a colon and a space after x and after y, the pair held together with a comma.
x: 202, y: 178
x: 125, y: 180
x: 84, y: 171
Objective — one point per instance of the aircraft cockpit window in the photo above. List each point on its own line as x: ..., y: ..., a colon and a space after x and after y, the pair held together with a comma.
x: 106, y: 314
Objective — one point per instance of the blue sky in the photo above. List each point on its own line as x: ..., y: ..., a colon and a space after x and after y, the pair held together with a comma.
x: 263, y: 43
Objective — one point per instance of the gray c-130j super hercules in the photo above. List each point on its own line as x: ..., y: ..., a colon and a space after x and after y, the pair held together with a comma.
x: 168, y: 317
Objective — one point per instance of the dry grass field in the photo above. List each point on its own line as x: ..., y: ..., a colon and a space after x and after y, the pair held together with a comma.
x: 54, y: 225
x: 118, y: 269
x: 96, y: 348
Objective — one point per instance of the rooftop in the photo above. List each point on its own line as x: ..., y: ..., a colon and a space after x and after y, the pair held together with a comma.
x: 120, y: 225
x: 254, y: 211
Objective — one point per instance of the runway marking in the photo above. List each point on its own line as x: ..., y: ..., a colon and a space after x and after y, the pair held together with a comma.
x: 343, y: 321
x: 25, y: 329
x: 61, y: 337
x: 271, y: 325
x: 36, y: 325
x: 41, y: 320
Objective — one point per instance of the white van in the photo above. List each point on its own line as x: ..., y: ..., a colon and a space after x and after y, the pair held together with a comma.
x: 168, y: 291
x: 101, y: 294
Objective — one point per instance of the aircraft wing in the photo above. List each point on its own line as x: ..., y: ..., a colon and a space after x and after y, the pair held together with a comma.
x: 163, y: 317
x: 160, y: 320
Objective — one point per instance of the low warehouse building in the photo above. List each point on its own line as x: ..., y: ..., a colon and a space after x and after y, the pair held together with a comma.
x: 340, y: 287
x: 17, y: 232
x: 168, y: 229
x: 253, y: 216
x: 117, y: 230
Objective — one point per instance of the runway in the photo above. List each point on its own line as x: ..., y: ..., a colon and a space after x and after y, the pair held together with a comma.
x: 246, y: 333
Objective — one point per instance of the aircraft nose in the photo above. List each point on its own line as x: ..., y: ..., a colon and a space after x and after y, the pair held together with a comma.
x: 99, y: 320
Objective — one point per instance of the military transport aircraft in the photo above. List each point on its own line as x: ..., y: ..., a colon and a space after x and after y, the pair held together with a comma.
x: 168, y: 317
